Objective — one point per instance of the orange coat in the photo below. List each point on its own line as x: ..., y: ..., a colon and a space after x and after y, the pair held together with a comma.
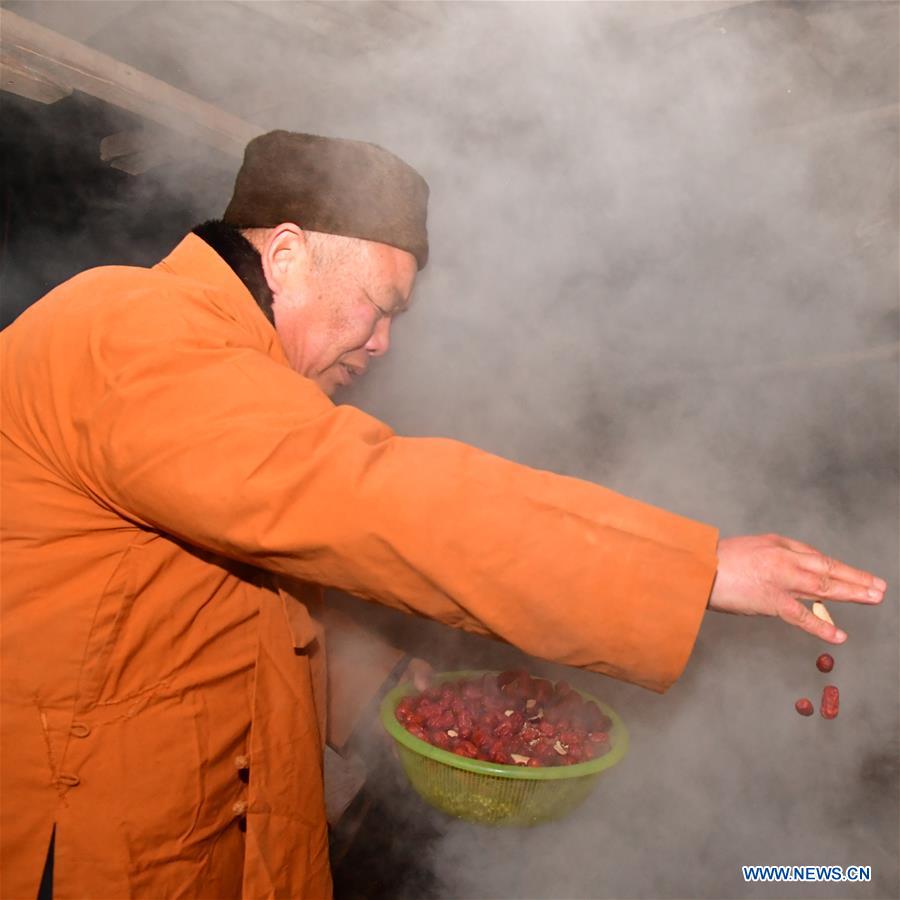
x: 161, y: 466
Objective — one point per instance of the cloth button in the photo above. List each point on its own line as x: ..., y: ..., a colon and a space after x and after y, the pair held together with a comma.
x: 240, y: 808
x: 80, y: 729
x: 69, y: 780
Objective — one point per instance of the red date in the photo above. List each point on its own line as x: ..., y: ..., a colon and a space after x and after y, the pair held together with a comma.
x: 503, y: 730
x: 440, y: 739
x: 466, y: 748
x: 804, y: 707
x: 825, y: 663
x: 512, y: 719
x: 831, y: 701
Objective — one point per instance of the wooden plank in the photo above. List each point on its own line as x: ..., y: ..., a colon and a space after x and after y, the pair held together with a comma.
x: 138, y: 150
x: 60, y: 60
x: 16, y: 78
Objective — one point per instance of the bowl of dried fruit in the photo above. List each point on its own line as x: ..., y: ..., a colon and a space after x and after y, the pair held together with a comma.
x: 502, y: 749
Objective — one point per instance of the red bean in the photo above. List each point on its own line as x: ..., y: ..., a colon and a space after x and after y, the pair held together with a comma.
x: 804, y: 707
x: 825, y: 663
x: 831, y: 701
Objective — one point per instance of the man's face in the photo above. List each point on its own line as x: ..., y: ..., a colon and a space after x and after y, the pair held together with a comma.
x: 333, y: 310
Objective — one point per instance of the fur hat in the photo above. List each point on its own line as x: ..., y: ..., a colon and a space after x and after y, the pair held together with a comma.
x: 331, y: 185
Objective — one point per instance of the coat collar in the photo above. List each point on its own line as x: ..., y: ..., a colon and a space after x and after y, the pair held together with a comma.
x: 194, y: 259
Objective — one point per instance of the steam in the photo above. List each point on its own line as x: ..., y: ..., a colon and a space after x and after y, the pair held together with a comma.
x: 664, y: 257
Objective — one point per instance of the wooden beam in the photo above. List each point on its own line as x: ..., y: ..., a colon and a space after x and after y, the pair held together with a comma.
x: 56, y: 59
x: 138, y: 150
x: 16, y: 78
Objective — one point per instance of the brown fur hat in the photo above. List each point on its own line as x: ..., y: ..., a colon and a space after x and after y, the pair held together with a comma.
x: 331, y: 185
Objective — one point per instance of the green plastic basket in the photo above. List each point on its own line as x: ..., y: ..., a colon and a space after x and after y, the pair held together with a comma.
x: 491, y: 793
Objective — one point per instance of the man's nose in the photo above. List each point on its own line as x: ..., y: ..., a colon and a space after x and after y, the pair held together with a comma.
x: 380, y: 341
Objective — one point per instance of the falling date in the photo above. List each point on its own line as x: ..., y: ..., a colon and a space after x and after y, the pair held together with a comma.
x: 825, y: 662
x: 831, y: 699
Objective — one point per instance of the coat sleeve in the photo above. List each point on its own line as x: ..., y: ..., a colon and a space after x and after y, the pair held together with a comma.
x: 186, y: 426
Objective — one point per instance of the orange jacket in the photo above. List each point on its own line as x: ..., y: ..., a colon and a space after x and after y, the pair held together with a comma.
x: 162, y: 466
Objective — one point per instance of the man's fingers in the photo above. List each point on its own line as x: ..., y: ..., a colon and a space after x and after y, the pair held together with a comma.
x: 798, y: 546
x: 836, y: 571
x: 813, y: 560
x: 795, y: 613
x: 826, y: 587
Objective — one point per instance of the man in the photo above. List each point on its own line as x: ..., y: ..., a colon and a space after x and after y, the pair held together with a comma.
x: 177, y: 485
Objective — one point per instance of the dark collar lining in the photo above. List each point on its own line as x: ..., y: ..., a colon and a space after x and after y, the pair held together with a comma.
x: 243, y: 258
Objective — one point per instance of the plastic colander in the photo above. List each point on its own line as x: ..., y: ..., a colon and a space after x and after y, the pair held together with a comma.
x: 488, y: 792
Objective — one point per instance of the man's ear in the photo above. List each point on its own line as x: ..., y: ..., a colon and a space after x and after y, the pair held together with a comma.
x: 284, y: 254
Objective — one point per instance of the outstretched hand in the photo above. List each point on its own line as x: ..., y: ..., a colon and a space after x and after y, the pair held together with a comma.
x: 767, y: 574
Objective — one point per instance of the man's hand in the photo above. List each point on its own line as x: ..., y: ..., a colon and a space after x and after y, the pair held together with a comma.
x: 766, y: 574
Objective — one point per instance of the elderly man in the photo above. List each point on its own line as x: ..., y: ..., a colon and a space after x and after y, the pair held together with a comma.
x: 178, y: 486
